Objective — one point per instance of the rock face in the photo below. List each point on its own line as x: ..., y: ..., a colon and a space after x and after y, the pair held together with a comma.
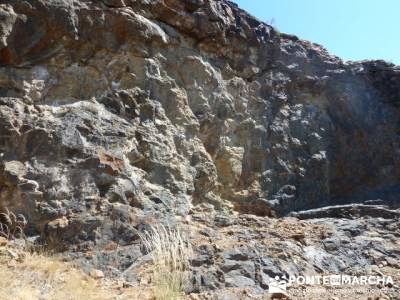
x: 115, y: 113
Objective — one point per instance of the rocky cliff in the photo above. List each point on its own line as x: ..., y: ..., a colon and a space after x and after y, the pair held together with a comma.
x: 116, y: 113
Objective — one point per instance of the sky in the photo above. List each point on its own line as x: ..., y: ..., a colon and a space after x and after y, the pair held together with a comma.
x: 350, y: 29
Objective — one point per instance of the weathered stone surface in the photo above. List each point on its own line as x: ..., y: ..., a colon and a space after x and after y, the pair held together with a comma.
x: 348, y: 211
x: 253, y: 250
x: 246, y: 114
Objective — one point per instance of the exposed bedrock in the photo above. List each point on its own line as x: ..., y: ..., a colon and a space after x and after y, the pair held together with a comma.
x: 126, y: 110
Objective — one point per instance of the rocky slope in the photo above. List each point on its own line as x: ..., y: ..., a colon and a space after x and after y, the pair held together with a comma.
x: 116, y: 114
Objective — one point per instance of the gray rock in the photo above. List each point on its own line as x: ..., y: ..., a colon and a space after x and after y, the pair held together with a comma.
x: 348, y: 211
x: 236, y: 279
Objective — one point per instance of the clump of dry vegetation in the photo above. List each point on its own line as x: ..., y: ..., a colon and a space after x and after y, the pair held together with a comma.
x: 171, y: 252
x: 11, y: 225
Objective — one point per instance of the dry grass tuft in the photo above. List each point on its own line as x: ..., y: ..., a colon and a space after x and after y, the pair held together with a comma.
x: 171, y: 252
x: 11, y: 225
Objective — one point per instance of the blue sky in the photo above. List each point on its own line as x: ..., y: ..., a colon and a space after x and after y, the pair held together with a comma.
x: 350, y: 29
